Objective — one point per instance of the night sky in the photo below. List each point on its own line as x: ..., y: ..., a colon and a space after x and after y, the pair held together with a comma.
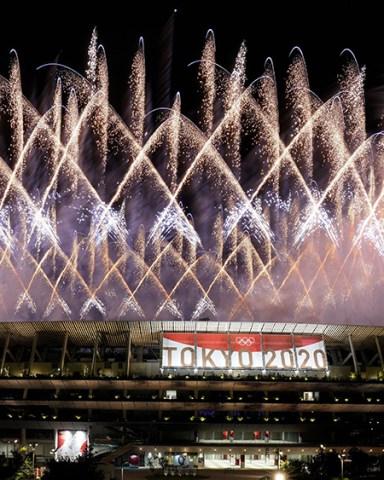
x: 174, y: 39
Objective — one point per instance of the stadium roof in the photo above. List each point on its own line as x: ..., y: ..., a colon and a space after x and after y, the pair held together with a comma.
x: 114, y: 333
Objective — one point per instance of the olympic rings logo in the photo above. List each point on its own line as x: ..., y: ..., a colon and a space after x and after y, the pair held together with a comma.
x: 245, y: 341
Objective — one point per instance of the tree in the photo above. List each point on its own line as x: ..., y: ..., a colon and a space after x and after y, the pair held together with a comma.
x: 359, y: 462
x: 325, y: 465
x: 85, y: 468
x: 7, y: 467
x: 296, y: 470
x: 26, y: 470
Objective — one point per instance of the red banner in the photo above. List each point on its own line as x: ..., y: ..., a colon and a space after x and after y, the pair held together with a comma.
x: 243, y: 350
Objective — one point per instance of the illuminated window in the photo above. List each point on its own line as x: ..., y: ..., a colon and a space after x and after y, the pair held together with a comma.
x: 310, y: 396
x: 171, y: 394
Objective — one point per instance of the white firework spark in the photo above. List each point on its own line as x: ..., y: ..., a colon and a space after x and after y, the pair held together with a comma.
x: 130, y: 304
x: 25, y: 298
x: 170, y: 221
x: 108, y: 223
x: 6, y: 238
x: 172, y: 307
x: 315, y: 218
x: 41, y: 228
x: 57, y: 302
x: 203, y: 305
x: 250, y: 218
x: 373, y: 232
x: 92, y: 302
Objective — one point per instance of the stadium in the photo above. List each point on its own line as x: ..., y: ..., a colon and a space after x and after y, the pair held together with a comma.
x: 206, y: 291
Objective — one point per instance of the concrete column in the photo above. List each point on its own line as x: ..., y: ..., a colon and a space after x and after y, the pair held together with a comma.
x: 353, y: 353
x: 94, y: 356
x: 33, y: 352
x: 4, y: 356
x: 63, y: 352
x: 128, y: 360
x: 378, y: 346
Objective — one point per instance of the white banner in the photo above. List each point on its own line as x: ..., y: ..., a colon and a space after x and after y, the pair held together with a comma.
x: 243, y: 351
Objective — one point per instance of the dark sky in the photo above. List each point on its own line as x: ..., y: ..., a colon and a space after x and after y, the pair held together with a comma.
x: 321, y: 29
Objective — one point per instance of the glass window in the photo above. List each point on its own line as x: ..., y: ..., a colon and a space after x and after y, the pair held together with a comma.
x: 171, y: 394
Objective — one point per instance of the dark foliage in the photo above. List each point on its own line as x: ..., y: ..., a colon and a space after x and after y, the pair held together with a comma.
x: 83, y: 469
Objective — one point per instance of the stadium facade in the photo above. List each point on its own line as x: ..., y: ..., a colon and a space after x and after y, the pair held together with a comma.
x: 174, y: 390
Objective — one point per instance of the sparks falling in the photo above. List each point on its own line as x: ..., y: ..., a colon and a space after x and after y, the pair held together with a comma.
x: 167, y: 217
